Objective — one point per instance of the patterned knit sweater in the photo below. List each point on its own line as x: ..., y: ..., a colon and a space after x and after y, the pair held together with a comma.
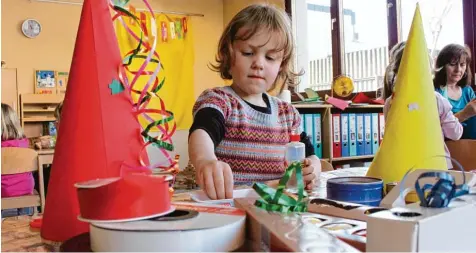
x: 254, y: 142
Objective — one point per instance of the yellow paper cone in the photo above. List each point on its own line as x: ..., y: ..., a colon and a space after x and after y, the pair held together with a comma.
x: 412, y: 130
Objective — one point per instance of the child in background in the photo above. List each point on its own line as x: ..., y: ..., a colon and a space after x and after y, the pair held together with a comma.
x: 450, y: 125
x: 47, y: 168
x: 239, y: 131
x: 58, y: 109
x: 12, y: 136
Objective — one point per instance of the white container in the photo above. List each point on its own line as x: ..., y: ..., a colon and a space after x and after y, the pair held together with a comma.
x: 295, y: 152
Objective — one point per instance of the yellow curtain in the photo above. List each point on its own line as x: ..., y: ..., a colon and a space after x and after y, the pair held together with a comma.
x: 177, y: 57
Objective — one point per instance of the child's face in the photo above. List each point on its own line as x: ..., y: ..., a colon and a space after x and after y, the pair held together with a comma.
x: 256, y: 62
x: 455, y: 70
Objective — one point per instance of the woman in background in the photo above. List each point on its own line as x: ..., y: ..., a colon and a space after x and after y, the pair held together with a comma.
x: 452, y: 80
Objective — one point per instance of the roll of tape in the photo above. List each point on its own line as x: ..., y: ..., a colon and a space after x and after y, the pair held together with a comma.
x: 127, y: 198
x: 192, y: 227
x: 359, y: 190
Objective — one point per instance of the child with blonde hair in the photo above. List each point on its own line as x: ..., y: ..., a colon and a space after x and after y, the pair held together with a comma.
x: 13, y: 136
x: 239, y: 132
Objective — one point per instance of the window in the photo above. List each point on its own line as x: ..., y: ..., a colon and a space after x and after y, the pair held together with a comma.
x: 365, y: 31
x: 314, y: 43
x: 365, y: 42
x: 320, y: 44
x: 442, y: 21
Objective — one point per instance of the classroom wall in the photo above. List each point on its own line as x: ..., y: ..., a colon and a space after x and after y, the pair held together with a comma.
x: 231, y: 7
x: 53, y: 48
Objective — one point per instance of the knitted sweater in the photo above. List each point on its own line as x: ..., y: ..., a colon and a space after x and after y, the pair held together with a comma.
x: 254, y: 142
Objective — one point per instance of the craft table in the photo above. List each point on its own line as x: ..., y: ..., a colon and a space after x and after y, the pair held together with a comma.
x: 45, y: 157
x: 17, y: 236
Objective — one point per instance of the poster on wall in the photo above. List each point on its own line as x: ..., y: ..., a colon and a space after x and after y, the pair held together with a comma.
x: 45, y: 82
x: 62, y: 81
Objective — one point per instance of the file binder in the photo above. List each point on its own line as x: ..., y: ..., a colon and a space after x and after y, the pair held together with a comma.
x: 352, y: 135
x: 381, y: 125
x: 317, y: 135
x: 336, y: 146
x: 344, y: 119
x: 360, y: 134
x: 375, y: 132
x: 368, y: 134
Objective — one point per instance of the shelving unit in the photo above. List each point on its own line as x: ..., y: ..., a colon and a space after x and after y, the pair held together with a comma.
x: 36, y: 109
x: 326, y: 112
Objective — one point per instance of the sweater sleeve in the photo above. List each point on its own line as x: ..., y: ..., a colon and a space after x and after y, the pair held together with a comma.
x: 386, y: 107
x: 213, y: 98
x: 211, y: 121
x: 450, y: 125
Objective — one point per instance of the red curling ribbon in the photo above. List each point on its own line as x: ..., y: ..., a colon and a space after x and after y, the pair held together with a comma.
x: 125, y: 198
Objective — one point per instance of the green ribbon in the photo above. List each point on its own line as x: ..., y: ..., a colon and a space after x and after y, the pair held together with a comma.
x: 274, y: 199
x: 156, y: 142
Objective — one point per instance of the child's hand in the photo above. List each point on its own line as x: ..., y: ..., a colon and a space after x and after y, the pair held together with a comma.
x: 311, y: 171
x: 216, y: 179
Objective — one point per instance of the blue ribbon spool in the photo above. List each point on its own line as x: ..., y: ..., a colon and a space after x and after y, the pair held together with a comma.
x: 441, y: 193
x: 359, y: 190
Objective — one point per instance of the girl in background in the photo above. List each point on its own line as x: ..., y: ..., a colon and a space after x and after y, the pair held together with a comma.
x: 13, y: 136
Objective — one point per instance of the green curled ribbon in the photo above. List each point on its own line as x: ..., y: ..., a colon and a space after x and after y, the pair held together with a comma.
x: 274, y: 199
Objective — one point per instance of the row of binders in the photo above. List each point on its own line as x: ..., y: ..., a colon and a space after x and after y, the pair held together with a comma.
x: 353, y: 134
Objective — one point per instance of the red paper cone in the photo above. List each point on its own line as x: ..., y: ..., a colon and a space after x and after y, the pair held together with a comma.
x: 98, y: 131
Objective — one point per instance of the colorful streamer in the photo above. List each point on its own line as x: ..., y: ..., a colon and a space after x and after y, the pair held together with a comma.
x: 275, y: 200
x: 145, y: 51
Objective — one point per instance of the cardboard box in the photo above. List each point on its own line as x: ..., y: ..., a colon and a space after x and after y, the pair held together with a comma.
x: 450, y: 229
x: 287, y: 233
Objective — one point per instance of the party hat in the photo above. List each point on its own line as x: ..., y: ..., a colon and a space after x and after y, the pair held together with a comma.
x: 413, y: 135
x: 98, y: 132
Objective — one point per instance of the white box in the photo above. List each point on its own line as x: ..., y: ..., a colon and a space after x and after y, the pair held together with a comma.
x: 450, y: 229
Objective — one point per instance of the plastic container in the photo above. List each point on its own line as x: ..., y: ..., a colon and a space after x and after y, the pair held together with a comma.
x: 295, y: 152
x: 359, y: 190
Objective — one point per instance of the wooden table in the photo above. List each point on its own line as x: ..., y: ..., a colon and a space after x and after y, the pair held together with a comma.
x: 17, y: 236
x: 45, y: 156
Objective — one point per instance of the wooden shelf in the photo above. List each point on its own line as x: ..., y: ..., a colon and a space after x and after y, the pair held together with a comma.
x: 350, y: 158
x: 312, y: 105
x: 323, y: 106
x: 42, y: 98
x: 366, y: 106
x: 39, y: 119
x: 36, y: 109
x: 327, y: 111
x: 40, y: 110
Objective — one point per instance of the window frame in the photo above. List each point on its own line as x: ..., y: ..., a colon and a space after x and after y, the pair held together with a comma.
x: 394, y: 31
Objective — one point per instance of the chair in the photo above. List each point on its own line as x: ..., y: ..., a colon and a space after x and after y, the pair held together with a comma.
x: 464, y: 151
x: 20, y: 160
x: 326, y: 166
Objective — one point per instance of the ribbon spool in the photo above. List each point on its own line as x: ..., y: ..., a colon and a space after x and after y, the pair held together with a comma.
x: 126, y: 198
x: 443, y: 191
x: 275, y: 200
x: 359, y: 190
